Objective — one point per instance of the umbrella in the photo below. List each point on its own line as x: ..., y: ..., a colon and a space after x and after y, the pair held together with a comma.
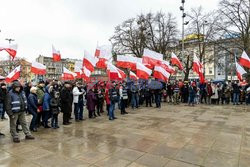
x: 155, y: 85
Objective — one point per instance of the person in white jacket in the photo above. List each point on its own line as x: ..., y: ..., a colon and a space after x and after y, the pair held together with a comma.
x: 78, y: 95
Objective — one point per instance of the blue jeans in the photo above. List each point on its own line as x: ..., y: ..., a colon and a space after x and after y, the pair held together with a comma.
x: 1, y: 110
x: 78, y: 110
x: 191, y: 99
x: 111, y: 110
x: 236, y: 98
x: 34, y: 119
x: 134, y: 100
x: 47, y: 115
x: 158, y: 100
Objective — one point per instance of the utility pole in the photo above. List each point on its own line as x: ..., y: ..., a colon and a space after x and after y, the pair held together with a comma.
x: 10, y: 63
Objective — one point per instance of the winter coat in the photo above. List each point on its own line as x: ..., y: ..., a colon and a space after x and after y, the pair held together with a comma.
x: 107, y: 99
x: 32, y: 103
x: 40, y: 95
x: 66, y: 100
x: 215, y: 94
x: 55, y: 105
x: 76, y: 94
x: 46, y: 101
x: 3, y: 94
x: 91, y: 99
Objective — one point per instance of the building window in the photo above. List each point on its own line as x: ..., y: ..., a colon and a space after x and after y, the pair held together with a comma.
x: 210, y: 70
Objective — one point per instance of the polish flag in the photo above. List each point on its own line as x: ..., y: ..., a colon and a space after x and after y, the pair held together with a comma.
x: 165, y: 64
x: 38, y: 68
x: 176, y: 61
x: 161, y: 73
x: 14, y: 75
x: 198, y: 68
x: 126, y: 62
x: 68, y: 75
x: 122, y: 73
x: 104, y: 54
x: 239, y: 70
x: 11, y: 49
x: 152, y: 58
x: 133, y: 76
x: 113, y: 72
x: 142, y: 71
x: 86, y: 74
x: 56, y: 54
x: 78, y: 72
x: 244, y: 60
x: 89, y: 61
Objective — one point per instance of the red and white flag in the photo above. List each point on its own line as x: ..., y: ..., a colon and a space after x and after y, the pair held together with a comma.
x: 142, y: 71
x: 133, y: 76
x: 14, y: 75
x: 161, y: 73
x: 68, y: 75
x: 239, y: 71
x: 38, y: 68
x: 11, y: 49
x: 89, y: 61
x: 56, y: 54
x: 126, y: 62
x: 176, y: 61
x: 113, y: 72
x: 152, y: 58
x: 86, y: 74
x: 122, y: 73
x: 78, y: 72
x: 104, y: 54
x: 245, y: 60
x: 165, y: 64
x: 198, y: 68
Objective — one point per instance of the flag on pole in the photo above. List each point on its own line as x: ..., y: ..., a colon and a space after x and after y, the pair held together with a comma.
x: 239, y: 70
x: 176, y: 61
x: 142, y: 71
x: 133, y: 76
x: 113, y: 72
x: 56, y: 54
x: 152, y: 58
x: 14, y: 75
x: 38, y: 68
x: 245, y: 60
x: 89, y: 61
x: 86, y: 74
x: 126, y: 62
x: 11, y: 49
x: 68, y: 75
x: 104, y: 54
x: 198, y: 68
x: 165, y: 64
x: 161, y: 73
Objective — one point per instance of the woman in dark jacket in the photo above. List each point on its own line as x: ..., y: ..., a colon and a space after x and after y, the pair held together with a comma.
x: 91, y: 99
x: 32, y: 108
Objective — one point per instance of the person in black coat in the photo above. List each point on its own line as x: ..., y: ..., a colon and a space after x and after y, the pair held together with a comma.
x: 55, y: 109
x: 3, y: 93
x: 66, y: 102
x: 33, y: 108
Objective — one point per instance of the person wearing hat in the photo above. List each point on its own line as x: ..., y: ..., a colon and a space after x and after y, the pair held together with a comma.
x: 66, y: 102
x: 40, y: 95
x: 16, y: 106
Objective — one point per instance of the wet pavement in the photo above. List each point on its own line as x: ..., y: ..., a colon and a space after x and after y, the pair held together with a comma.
x: 173, y: 136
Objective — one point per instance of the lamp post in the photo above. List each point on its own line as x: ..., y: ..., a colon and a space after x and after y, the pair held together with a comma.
x: 203, y: 26
x: 183, y: 24
x: 10, y: 63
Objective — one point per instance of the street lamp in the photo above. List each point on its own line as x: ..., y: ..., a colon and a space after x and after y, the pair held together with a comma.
x: 9, y: 39
x: 183, y: 23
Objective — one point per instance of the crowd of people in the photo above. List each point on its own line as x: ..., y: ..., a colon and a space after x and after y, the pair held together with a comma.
x: 46, y: 100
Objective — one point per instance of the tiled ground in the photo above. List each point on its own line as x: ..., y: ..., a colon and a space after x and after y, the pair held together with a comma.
x: 173, y: 136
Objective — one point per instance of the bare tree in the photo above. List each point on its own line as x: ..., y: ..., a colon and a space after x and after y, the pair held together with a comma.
x: 154, y: 31
x: 236, y: 22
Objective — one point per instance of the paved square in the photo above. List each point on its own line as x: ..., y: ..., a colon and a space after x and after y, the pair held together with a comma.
x: 173, y: 136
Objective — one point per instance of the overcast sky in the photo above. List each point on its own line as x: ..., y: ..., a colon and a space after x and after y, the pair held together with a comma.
x: 74, y: 25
